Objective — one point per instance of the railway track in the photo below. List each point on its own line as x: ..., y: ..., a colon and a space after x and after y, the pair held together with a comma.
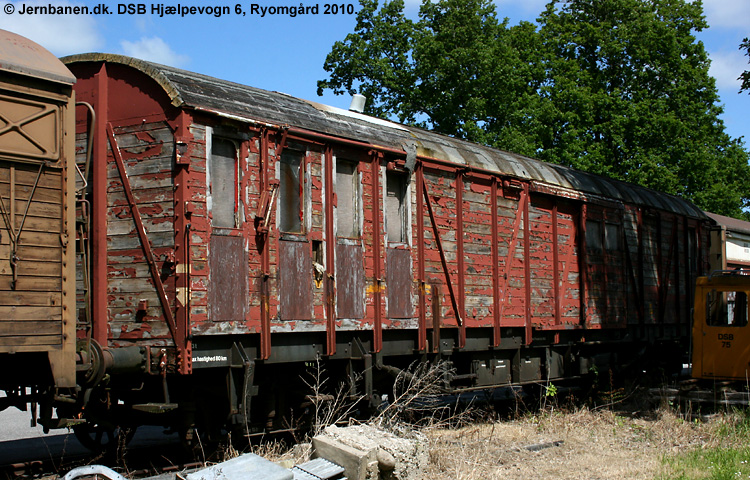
x: 151, y: 452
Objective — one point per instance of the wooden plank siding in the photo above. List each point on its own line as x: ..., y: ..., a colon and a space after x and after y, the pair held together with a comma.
x: 148, y: 154
x: 37, y: 248
x: 518, y: 253
x: 31, y: 312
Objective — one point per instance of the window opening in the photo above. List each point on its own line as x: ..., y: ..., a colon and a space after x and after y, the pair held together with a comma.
x: 593, y: 236
x: 395, y: 206
x: 222, y: 170
x: 726, y: 309
x: 291, y: 181
x: 611, y: 237
x: 692, y: 248
x: 347, y: 193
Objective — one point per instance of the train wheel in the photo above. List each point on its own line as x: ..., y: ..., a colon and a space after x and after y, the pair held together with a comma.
x: 103, y: 437
x: 104, y: 430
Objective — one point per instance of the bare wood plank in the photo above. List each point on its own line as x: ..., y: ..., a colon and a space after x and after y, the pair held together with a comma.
x: 37, y: 284
x: 130, y: 242
x: 156, y: 195
x: 38, y: 224
x: 44, y: 195
x: 148, y: 166
x: 143, y: 182
x: 30, y: 313
x: 41, y: 340
x: 35, y: 238
x: 153, y: 128
x: 32, y: 253
x: 15, y: 297
x: 31, y: 268
x: 26, y: 177
x: 128, y: 227
x: 37, y: 209
x: 39, y: 328
x: 131, y: 285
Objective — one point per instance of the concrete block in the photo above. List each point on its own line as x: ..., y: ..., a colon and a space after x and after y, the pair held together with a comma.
x: 369, y: 453
x: 353, y: 460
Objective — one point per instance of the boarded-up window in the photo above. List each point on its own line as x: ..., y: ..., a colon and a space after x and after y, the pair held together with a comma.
x: 291, y: 178
x: 395, y: 207
x: 398, y: 281
x: 295, y: 281
x: 347, y: 194
x: 692, y: 251
x: 611, y: 237
x: 228, y: 286
x: 593, y: 236
x: 222, y: 173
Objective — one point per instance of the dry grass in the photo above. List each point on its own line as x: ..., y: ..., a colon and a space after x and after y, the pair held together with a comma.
x: 579, y: 444
x: 595, y: 445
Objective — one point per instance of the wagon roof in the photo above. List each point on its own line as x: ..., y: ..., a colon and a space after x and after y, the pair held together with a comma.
x: 22, y: 56
x: 243, y: 103
x: 731, y: 224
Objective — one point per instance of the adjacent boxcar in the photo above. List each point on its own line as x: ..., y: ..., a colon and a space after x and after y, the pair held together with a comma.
x: 236, y: 234
x: 37, y: 239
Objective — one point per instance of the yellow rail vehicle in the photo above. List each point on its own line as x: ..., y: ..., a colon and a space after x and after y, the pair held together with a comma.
x: 721, y: 335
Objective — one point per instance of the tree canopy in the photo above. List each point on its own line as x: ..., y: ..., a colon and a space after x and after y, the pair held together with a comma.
x: 615, y: 87
x: 745, y: 77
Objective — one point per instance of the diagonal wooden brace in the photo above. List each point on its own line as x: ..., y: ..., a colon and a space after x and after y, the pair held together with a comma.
x: 146, y: 245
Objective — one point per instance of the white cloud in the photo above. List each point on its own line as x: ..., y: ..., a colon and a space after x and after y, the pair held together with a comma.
x: 726, y: 67
x: 154, y: 49
x: 727, y: 13
x: 60, y: 34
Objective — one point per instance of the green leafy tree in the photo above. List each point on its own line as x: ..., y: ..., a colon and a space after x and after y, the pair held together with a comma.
x: 745, y: 77
x: 631, y: 98
x: 455, y: 70
x: 615, y: 87
x: 375, y: 60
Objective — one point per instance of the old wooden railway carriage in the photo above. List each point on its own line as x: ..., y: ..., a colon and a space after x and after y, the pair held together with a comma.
x: 37, y: 240
x: 230, y: 235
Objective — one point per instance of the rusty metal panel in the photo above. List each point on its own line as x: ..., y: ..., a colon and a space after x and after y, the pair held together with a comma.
x: 228, y: 285
x: 350, y: 282
x: 295, y: 281
x: 398, y: 280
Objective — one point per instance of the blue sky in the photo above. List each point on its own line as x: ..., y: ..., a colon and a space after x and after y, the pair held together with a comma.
x: 286, y: 54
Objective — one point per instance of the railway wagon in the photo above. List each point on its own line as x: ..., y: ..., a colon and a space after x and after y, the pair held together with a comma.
x: 238, y: 233
x: 37, y: 240
x: 229, y: 237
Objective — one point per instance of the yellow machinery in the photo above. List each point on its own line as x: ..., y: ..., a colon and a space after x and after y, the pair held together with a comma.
x: 721, y: 335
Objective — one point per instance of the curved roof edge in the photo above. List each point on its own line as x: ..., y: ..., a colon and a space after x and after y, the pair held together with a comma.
x: 249, y: 104
x: 148, y: 68
x: 22, y: 56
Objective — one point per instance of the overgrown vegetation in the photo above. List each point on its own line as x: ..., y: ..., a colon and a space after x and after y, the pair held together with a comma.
x: 725, y: 455
x: 546, y: 436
